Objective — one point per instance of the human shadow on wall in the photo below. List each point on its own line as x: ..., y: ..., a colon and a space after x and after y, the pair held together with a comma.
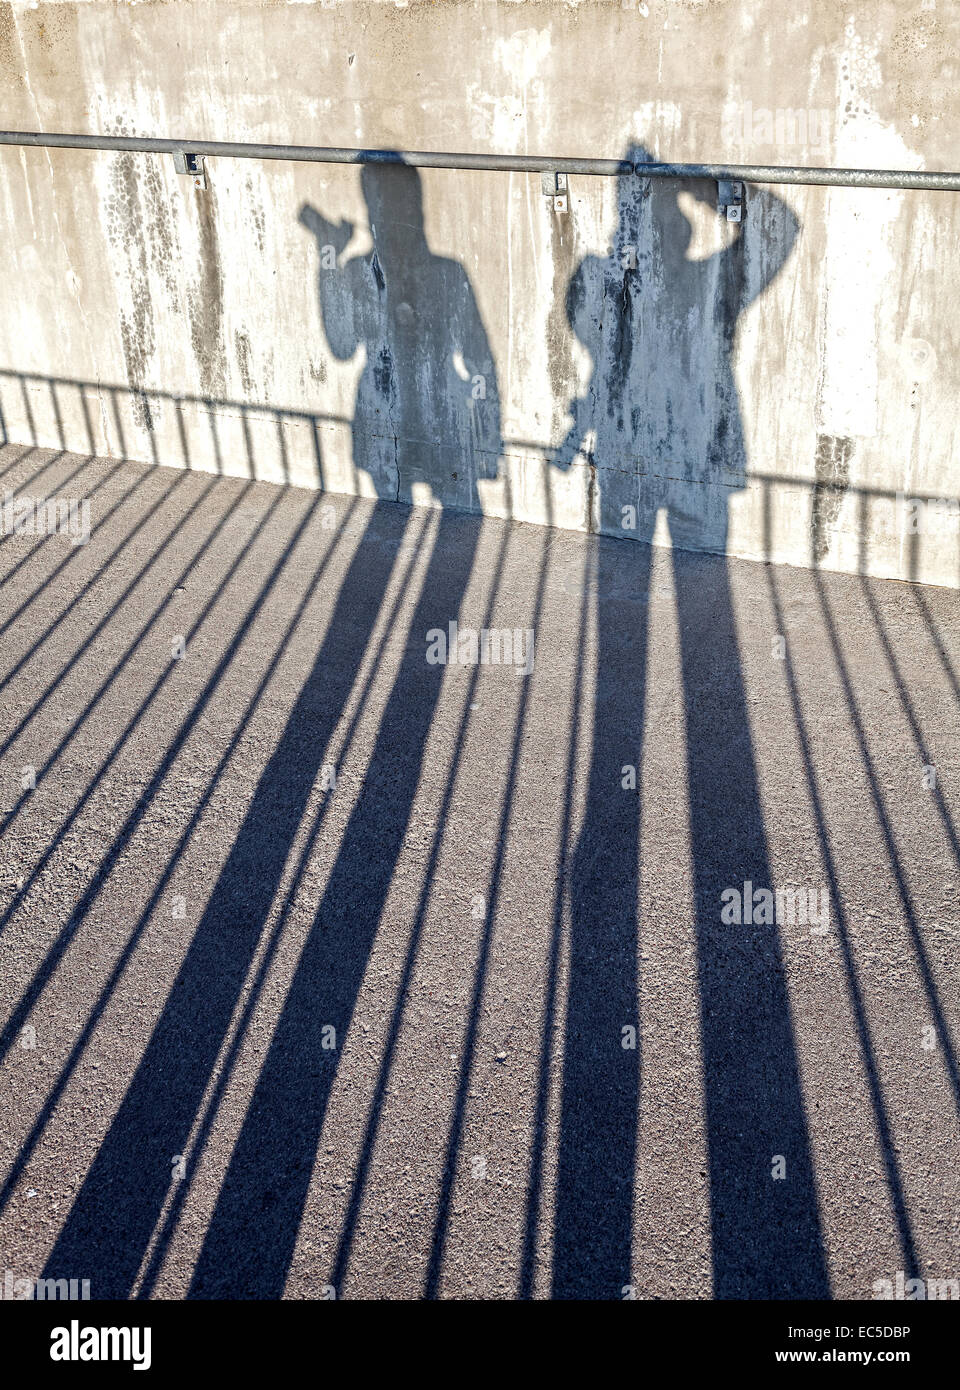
x: 417, y: 318
x: 660, y: 426
x: 427, y: 407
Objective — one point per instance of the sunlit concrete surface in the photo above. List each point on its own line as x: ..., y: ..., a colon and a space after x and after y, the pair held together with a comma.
x: 784, y: 387
x: 322, y: 964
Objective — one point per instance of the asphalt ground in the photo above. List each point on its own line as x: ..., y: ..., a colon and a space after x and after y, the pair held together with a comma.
x: 326, y: 968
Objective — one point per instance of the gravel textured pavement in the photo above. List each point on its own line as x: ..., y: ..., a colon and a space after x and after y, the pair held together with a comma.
x: 330, y: 969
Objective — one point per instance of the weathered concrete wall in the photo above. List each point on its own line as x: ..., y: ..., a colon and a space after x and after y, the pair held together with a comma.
x: 634, y: 365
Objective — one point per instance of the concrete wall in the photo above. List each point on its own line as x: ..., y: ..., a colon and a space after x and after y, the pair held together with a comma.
x: 634, y: 365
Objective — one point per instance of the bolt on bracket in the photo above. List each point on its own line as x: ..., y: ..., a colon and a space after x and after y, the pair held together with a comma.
x: 730, y: 199
x: 554, y: 186
x: 191, y: 164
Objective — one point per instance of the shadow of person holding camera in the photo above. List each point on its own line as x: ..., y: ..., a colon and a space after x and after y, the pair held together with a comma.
x: 427, y: 407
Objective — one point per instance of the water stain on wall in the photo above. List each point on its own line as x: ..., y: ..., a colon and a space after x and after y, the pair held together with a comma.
x: 559, y: 359
x: 11, y: 66
x: 161, y: 231
x: 147, y: 252
x: 48, y: 33
x: 257, y: 215
x: 241, y: 342
x: 142, y: 228
x: 205, y: 302
x: 125, y: 230
x: 832, y: 467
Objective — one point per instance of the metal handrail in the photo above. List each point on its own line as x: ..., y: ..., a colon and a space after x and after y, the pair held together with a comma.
x: 832, y: 178
x: 520, y: 163
x: 322, y: 154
